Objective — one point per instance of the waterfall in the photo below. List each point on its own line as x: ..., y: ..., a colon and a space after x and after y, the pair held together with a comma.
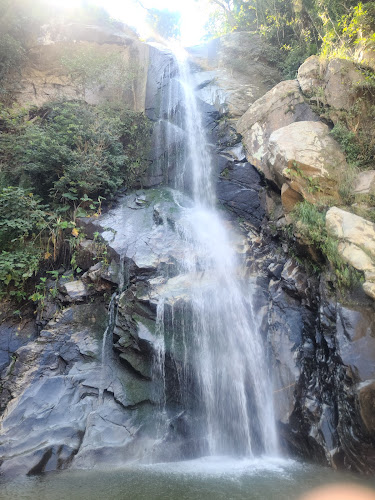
x: 211, y: 327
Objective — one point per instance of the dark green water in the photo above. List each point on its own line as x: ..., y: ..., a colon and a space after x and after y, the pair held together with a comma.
x: 207, y: 479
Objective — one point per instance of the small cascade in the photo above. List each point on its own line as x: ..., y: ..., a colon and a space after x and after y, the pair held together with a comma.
x: 159, y: 357
x: 169, y: 131
x: 107, y: 346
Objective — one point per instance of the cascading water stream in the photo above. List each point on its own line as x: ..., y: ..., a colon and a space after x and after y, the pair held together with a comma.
x: 107, y: 348
x: 107, y: 344
x: 218, y: 331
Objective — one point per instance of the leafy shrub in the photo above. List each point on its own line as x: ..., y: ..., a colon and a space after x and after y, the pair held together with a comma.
x: 71, y: 150
x: 299, y: 29
x: 294, y: 56
x: 21, y: 215
x: 23, y: 220
x: 350, y: 33
x: 16, y: 267
x: 69, y: 154
x: 348, y: 141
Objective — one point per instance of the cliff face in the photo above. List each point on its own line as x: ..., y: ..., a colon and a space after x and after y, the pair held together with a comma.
x: 321, y: 350
x: 117, y: 63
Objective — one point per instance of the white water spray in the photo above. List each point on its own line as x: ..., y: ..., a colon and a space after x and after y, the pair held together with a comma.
x: 219, y: 332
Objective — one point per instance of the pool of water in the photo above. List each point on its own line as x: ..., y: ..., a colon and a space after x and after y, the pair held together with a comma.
x: 212, y: 478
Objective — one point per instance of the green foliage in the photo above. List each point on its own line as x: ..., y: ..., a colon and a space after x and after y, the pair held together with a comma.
x: 165, y: 23
x: 22, y: 221
x: 71, y: 150
x: 12, y: 55
x: 101, y: 249
x: 309, y: 223
x: 293, y: 56
x: 300, y: 28
x: 21, y: 215
x: 348, y: 141
x: 57, y: 163
x: 359, y: 149
x: 16, y: 267
x: 348, y: 33
x: 312, y: 183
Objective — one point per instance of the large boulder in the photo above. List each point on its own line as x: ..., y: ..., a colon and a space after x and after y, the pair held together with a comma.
x: 304, y: 160
x: 365, y: 182
x: 238, y: 71
x: 356, y: 243
x: 309, y: 75
x: 281, y: 106
x: 334, y: 82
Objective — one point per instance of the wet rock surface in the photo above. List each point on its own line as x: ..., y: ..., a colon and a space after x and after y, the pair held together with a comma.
x: 81, y: 395
x: 63, y: 407
x: 322, y: 355
x: 239, y: 189
x: 52, y: 386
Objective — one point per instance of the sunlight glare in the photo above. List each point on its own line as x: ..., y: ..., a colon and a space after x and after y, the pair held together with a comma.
x: 194, y: 14
x: 64, y: 4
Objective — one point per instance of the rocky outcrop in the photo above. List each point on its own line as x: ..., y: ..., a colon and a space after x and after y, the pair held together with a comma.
x: 239, y: 186
x: 13, y: 335
x: 356, y: 243
x: 339, y: 90
x: 84, y: 392
x: 365, y: 182
x: 52, y: 385
x: 163, y: 108
x: 239, y: 189
x: 45, y: 77
x: 305, y: 162
x: 322, y: 361
x: 286, y: 141
x: 236, y: 71
x: 333, y: 82
x: 279, y: 107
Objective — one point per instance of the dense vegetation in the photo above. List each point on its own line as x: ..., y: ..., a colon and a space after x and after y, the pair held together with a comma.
x: 60, y: 161
x: 297, y: 29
